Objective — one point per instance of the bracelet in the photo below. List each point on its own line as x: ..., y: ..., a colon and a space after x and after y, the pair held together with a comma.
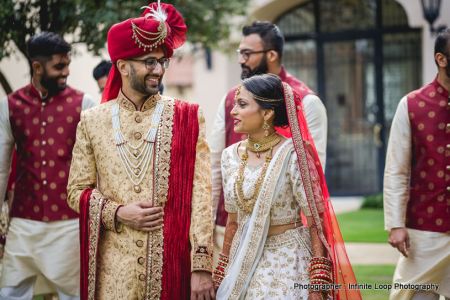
x: 319, y: 267
x: 223, y: 258
x: 320, y: 259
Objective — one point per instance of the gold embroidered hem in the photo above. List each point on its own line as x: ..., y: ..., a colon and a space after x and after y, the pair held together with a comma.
x: 155, y: 241
x: 109, y: 216
x: 95, y: 215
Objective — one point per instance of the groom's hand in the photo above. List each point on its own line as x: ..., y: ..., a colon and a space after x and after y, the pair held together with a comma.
x: 141, y: 216
x: 202, y: 287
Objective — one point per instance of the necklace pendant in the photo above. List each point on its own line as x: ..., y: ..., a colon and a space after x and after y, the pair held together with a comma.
x: 258, y: 154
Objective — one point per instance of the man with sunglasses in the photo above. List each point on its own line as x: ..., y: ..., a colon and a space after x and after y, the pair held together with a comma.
x: 417, y: 185
x: 260, y: 51
x: 140, y: 176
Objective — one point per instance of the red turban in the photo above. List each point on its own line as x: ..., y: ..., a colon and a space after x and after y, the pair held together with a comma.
x: 158, y: 26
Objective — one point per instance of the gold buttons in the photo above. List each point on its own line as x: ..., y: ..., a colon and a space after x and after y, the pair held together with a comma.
x: 141, y: 277
x: 137, y: 171
x: 141, y: 260
x: 138, y: 119
x: 137, y: 189
x: 140, y: 243
x: 137, y: 135
x: 135, y: 152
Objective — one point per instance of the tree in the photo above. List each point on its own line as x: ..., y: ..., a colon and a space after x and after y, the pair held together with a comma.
x: 88, y: 21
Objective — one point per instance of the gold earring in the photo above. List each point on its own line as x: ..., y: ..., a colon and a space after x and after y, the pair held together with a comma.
x: 266, y: 128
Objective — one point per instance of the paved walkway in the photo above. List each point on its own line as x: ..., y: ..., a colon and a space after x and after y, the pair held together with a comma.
x: 364, y: 253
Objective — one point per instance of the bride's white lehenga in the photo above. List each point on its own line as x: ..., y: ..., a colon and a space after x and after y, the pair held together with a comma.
x: 264, y: 267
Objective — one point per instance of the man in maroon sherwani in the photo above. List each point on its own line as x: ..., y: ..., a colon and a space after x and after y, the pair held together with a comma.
x: 417, y: 185
x: 39, y: 121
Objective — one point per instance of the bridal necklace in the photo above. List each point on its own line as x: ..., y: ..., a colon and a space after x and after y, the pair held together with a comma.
x: 136, y: 158
x: 266, y: 143
x: 247, y: 204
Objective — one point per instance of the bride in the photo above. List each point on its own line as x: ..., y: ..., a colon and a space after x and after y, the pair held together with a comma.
x: 282, y: 240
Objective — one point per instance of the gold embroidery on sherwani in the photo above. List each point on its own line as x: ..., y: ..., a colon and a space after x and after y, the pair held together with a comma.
x: 201, y: 216
x: 262, y: 206
x: 95, y: 214
x: 155, y: 242
x: 121, y: 261
x: 109, y: 215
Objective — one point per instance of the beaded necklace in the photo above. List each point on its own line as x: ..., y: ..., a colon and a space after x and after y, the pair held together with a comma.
x: 136, y: 159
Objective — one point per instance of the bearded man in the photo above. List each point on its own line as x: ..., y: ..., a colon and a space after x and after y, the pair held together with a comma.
x: 39, y: 121
x: 140, y: 174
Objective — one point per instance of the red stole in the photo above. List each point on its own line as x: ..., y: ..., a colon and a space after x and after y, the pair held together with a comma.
x: 44, y: 133
x: 176, y: 272
x: 429, y: 116
x: 231, y: 137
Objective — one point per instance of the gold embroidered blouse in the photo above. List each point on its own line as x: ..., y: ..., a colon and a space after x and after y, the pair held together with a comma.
x: 290, y: 197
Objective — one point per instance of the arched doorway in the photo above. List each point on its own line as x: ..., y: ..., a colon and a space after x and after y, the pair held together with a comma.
x: 361, y: 57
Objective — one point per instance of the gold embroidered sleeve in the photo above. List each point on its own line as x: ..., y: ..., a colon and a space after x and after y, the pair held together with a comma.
x: 83, y: 173
x: 109, y: 212
x: 201, y: 229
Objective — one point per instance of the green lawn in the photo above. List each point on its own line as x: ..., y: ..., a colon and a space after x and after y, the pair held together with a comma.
x: 363, y: 226
x: 381, y: 274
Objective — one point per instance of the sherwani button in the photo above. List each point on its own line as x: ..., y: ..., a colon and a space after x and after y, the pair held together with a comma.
x: 44, y: 123
x: 140, y: 243
x: 448, y: 189
x: 141, y: 260
x: 137, y: 189
x: 44, y: 162
x: 138, y: 119
x: 44, y: 182
x: 137, y: 135
x: 448, y: 146
x: 448, y: 167
x: 141, y: 277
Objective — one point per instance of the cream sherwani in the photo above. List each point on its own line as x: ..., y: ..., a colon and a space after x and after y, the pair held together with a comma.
x: 429, y: 257
x: 96, y: 164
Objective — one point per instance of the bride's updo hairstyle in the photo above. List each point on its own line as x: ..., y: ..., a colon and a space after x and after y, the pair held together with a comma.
x: 267, y: 90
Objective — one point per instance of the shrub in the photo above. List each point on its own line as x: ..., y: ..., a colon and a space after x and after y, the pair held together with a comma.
x: 373, y: 201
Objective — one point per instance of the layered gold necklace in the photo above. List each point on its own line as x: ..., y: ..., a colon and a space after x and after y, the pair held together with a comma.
x: 264, y: 144
x: 246, y: 204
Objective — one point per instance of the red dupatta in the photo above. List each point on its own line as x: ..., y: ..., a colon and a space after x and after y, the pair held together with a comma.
x: 318, y: 197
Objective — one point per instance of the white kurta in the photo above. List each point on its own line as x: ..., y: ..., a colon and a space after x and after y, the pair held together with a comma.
x: 47, y: 250
x: 429, y: 257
